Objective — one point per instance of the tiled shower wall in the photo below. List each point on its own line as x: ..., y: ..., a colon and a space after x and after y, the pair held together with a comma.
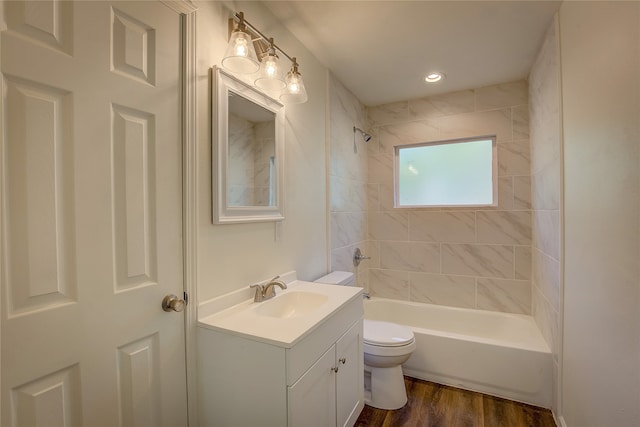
x: 251, y: 148
x: 463, y: 257
x: 546, y: 181
x: 347, y: 179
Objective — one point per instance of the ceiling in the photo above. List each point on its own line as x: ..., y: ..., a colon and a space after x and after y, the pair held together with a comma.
x: 382, y: 50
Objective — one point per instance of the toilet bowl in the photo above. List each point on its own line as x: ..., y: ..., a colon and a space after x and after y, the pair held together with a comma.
x: 386, y: 347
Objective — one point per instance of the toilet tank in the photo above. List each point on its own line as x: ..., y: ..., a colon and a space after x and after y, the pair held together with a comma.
x: 338, y: 278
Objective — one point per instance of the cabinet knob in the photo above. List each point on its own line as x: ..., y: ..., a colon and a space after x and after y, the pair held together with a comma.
x: 343, y: 360
x: 335, y: 369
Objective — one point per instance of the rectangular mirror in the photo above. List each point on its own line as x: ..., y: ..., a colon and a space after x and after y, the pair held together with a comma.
x: 248, y: 152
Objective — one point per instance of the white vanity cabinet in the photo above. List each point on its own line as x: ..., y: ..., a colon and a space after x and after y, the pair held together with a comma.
x: 330, y: 392
x: 314, y: 381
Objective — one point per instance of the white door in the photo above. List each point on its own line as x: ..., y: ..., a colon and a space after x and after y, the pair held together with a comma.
x: 91, y: 215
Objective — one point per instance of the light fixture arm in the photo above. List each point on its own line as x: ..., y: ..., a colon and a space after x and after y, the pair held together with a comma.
x: 241, y: 21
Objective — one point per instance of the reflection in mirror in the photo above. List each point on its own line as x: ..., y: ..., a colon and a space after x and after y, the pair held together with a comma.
x: 251, y: 153
x: 248, y: 153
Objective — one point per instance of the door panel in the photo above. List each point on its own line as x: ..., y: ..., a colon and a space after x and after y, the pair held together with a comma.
x: 312, y: 399
x: 350, y: 378
x: 91, y: 215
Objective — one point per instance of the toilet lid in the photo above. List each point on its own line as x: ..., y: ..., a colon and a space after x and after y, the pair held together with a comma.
x: 386, y: 334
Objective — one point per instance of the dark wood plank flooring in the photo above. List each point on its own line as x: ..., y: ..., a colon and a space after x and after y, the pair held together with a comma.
x: 435, y: 405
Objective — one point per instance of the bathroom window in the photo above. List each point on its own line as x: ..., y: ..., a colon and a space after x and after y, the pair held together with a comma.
x: 461, y: 172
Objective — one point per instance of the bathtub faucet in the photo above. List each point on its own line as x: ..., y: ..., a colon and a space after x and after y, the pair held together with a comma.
x: 358, y: 256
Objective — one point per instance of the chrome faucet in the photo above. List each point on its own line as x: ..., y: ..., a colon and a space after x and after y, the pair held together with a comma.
x: 265, y: 292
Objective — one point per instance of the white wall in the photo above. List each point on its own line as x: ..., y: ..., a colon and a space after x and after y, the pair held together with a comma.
x: 600, y: 54
x: 233, y: 256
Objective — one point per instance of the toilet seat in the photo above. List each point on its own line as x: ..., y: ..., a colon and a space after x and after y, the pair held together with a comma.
x: 385, y: 334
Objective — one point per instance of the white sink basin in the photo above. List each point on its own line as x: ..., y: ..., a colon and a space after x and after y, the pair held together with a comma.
x: 292, y: 304
x: 283, y: 320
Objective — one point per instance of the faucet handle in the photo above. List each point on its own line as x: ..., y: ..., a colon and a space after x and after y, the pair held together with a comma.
x: 259, y: 296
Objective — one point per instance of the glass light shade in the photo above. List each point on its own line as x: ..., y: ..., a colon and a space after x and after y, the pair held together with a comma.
x: 270, y: 77
x: 240, y: 56
x: 295, y: 92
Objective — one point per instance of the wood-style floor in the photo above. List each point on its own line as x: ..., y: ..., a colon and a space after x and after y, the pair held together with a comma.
x: 435, y: 405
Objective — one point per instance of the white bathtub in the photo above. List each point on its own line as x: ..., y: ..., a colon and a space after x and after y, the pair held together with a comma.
x: 500, y: 354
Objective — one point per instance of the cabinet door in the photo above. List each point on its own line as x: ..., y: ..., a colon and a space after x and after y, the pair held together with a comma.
x: 312, y: 399
x: 350, y: 377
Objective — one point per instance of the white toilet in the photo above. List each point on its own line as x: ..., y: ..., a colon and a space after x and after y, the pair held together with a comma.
x: 386, y: 347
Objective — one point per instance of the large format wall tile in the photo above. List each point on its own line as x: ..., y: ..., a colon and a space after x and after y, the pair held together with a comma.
x: 478, y: 257
x: 514, y: 158
x: 389, y: 284
x: 512, y: 296
x: 495, y: 122
x: 520, y: 115
x: 347, y: 195
x: 388, y: 226
x: 456, y: 291
x: 502, y: 95
x: 410, y: 256
x: 347, y: 228
x: 350, y: 192
x: 407, y: 133
x: 478, y: 260
x: 522, y: 192
x: 522, y: 262
x: 546, y: 225
x: 388, y: 113
x: 546, y: 165
x: 442, y: 105
x: 508, y: 227
x: 450, y: 227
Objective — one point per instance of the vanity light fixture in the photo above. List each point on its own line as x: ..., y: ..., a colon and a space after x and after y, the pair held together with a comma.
x: 270, y: 76
x: 295, y: 92
x: 240, y: 57
x: 434, y: 77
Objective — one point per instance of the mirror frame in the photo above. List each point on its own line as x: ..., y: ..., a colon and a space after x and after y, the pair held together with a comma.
x: 222, y: 212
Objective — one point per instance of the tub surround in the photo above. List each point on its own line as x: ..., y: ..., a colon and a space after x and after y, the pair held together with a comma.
x: 463, y: 257
x: 347, y: 186
x: 546, y: 197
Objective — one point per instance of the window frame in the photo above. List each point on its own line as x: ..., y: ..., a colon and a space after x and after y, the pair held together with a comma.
x: 494, y: 172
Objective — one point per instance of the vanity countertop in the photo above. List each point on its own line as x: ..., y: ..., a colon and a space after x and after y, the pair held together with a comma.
x: 285, y: 319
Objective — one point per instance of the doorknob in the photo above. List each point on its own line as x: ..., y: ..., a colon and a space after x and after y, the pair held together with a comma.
x: 173, y: 303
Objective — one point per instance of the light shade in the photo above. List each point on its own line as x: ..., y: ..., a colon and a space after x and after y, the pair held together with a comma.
x: 294, y: 92
x: 240, y: 56
x: 270, y: 77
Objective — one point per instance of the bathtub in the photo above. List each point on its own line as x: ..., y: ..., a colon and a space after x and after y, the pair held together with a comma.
x: 500, y: 354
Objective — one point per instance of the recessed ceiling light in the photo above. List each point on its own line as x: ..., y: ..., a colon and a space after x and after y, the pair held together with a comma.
x: 433, y: 77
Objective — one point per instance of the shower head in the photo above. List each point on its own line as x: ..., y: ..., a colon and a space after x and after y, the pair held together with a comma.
x: 365, y: 136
